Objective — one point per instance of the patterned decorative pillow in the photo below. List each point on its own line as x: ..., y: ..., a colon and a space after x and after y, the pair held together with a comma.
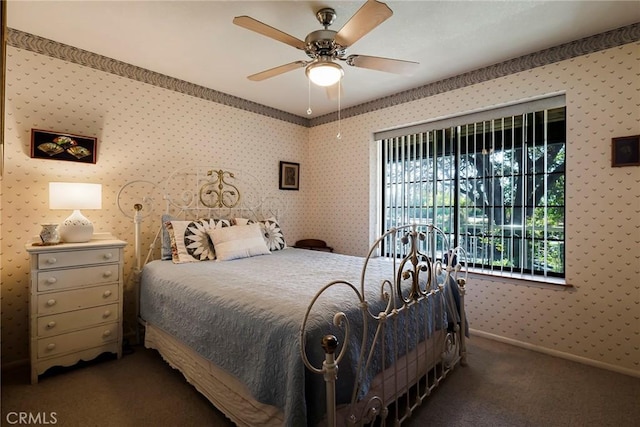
x: 271, y: 231
x: 273, y: 234
x: 240, y: 241
x: 190, y: 240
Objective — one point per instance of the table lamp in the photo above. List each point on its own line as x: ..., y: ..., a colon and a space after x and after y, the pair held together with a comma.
x: 75, y: 196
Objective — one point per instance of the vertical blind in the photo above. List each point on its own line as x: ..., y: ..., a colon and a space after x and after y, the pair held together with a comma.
x: 493, y: 181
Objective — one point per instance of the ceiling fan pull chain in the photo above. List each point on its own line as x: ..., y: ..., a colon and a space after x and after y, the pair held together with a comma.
x: 339, y: 135
x: 309, y: 111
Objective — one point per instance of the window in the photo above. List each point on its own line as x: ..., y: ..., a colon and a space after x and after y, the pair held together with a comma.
x: 495, y: 186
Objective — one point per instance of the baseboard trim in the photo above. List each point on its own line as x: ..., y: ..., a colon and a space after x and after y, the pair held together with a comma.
x: 555, y: 353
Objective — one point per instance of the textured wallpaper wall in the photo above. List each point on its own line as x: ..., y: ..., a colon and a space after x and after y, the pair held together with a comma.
x: 143, y: 131
x: 598, y: 321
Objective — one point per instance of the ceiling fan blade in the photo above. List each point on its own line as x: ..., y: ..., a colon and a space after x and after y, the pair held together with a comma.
x: 368, y: 17
x: 396, y: 66
x: 266, y: 30
x: 333, y: 91
x: 272, y: 72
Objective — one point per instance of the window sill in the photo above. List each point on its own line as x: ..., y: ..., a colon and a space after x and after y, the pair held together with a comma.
x: 555, y: 283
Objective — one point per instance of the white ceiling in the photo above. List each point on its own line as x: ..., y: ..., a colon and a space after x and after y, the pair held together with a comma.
x: 196, y: 41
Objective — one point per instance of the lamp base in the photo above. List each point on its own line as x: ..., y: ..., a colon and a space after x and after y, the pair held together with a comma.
x: 76, y: 228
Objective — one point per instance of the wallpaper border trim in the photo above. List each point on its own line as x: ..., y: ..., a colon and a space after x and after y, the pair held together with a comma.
x: 606, y: 40
x: 33, y: 43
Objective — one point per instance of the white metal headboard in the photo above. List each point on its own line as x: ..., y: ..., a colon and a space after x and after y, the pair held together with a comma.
x: 196, y: 192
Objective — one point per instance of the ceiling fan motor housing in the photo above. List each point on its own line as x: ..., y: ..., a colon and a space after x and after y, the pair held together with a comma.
x: 322, y: 43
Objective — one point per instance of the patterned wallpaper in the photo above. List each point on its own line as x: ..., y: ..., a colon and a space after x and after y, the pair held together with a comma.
x: 144, y: 131
x: 597, y: 321
x: 75, y: 55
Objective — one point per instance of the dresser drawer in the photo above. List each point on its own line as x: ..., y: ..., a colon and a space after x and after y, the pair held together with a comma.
x: 71, y: 258
x: 59, y: 302
x: 63, y: 322
x: 84, y: 339
x: 50, y: 280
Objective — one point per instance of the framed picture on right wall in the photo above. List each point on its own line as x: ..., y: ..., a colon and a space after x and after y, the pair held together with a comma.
x: 625, y: 151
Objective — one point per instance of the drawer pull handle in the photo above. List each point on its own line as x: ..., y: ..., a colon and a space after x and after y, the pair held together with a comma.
x: 108, y: 255
x: 106, y: 333
x: 51, y: 260
x: 51, y: 280
x: 51, y: 302
x: 107, y: 274
x: 51, y: 324
x: 51, y: 346
x: 106, y: 294
x: 106, y: 314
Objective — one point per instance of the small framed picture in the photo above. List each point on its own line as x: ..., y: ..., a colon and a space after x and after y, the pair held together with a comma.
x: 63, y: 146
x: 289, y: 176
x: 625, y: 151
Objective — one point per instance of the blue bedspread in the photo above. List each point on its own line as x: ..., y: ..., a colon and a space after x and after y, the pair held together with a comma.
x: 245, y: 316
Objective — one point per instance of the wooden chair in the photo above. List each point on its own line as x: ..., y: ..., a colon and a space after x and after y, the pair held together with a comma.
x: 313, y: 244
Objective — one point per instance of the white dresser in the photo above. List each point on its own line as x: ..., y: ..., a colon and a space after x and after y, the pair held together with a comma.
x: 75, y: 308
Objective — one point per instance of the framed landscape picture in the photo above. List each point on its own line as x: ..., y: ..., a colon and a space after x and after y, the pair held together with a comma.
x: 63, y: 146
x: 289, y: 176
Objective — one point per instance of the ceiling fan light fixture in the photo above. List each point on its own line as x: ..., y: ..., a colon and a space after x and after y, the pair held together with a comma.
x: 324, y: 73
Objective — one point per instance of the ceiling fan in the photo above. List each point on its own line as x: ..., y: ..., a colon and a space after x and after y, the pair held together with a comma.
x: 326, y: 46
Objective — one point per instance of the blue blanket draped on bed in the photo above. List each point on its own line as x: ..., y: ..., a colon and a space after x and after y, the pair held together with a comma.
x: 245, y: 316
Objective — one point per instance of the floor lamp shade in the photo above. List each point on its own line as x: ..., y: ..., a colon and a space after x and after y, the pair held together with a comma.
x: 75, y: 196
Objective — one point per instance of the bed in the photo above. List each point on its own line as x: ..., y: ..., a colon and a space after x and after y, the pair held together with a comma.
x: 261, y: 333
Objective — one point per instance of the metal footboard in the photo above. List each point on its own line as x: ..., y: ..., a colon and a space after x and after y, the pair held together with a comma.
x: 410, y: 341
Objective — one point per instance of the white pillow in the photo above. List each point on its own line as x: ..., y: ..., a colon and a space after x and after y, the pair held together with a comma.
x: 239, y: 241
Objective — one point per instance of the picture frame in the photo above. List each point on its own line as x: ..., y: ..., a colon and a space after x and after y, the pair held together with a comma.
x: 289, y: 176
x: 63, y: 146
x: 625, y: 151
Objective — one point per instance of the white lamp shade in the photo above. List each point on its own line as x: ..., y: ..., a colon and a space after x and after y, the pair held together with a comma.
x: 75, y: 195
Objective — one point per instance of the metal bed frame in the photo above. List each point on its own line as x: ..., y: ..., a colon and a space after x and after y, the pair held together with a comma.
x: 401, y: 378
